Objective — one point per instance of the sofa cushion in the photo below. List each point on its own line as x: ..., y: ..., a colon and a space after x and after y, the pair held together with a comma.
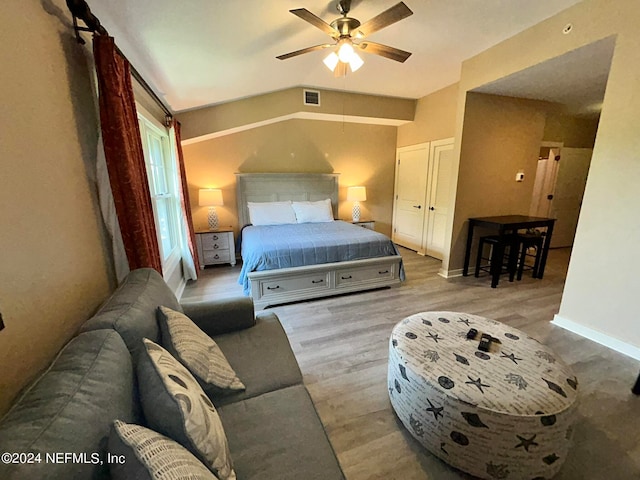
x: 197, y: 351
x: 70, y: 408
x: 175, y: 405
x: 131, y: 310
x: 262, y: 358
x: 279, y: 435
x: 148, y: 455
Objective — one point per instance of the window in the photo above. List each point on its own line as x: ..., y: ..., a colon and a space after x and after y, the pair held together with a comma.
x: 163, y: 188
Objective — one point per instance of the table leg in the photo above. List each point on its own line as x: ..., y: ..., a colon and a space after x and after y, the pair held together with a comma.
x: 545, y: 249
x: 467, y: 253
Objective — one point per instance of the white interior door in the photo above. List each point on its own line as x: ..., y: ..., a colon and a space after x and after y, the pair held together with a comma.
x: 545, y: 184
x: 439, y: 189
x: 567, y: 196
x: 410, y: 196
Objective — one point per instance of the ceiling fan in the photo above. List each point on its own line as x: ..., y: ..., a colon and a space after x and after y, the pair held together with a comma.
x: 348, y: 33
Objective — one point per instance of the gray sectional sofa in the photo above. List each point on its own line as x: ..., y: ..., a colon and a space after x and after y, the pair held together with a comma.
x: 272, y: 427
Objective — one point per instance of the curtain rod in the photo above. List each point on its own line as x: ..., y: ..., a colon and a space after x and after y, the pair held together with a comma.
x: 80, y: 10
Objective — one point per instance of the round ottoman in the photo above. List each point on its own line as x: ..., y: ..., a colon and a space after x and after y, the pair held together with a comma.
x: 506, y: 413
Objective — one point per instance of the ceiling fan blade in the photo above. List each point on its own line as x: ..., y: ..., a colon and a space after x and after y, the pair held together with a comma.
x: 317, y: 22
x: 304, y: 50
x: 386, y: 18
x: 384, y: 51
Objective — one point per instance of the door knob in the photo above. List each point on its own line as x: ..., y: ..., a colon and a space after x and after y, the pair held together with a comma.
x: 417, y: 206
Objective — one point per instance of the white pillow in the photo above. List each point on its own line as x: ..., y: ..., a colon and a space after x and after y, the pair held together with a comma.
x: 271, y: 213
x: 313, y: 212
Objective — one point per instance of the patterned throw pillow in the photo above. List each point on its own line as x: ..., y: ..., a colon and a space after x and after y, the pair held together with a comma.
x: 197, y: 351
x: 175, y: 405
x: 148, y: 454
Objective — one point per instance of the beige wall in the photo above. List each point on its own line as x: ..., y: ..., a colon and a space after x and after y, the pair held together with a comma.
x: 501, y: 137
x: 599, y: 295
x: 435, y: 118
x: 262, y: 108
x: 53, y: 272
x: 574, y: 132
x: 362, y: 154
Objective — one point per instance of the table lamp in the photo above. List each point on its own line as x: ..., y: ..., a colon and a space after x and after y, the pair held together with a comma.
x: 212, y: 198
x: 356, y: 195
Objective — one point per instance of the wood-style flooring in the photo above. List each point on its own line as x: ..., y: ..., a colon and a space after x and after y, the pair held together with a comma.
x: 341, y: 344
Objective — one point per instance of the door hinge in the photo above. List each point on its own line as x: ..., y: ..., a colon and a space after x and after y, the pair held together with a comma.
x: 557, y: 158
x: 396, y: 197
x: 398, y: 161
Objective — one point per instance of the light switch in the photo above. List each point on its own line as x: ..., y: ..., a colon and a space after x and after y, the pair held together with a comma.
x: 520, y: 177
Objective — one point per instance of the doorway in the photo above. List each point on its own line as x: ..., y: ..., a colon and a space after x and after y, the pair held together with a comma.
x: 561, y: 177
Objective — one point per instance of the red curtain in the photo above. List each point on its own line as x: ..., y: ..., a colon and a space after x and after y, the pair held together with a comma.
x: 184, y: 197
x: 124, y: 156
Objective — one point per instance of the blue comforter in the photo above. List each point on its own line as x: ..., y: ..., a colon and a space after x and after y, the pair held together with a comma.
x: 282, y: 246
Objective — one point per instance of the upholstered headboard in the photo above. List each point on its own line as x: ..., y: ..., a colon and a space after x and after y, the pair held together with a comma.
x: 273, y: 187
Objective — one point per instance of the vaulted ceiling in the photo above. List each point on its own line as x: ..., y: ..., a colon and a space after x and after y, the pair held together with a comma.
x: 202, y: 52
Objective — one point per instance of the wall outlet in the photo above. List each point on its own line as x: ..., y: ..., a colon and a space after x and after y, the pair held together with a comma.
x: 520, y: 177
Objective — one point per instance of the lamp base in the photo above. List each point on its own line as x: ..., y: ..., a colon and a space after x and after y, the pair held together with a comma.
x: 213, y: 219
x: 355, y: 213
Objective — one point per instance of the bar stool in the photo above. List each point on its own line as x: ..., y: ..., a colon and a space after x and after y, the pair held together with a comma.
x: 506, y: 262
x: 526, y: 242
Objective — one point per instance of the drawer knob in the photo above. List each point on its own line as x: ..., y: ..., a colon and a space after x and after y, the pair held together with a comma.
x: 215, y: 237
x: 216, y: 256
x: 346, y: 278
x: 215, y: 246
x: 382, y: 273
x: 317, y: 281
x: 273, y: 288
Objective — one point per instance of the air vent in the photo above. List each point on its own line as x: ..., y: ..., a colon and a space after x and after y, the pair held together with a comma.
x: 311, y: 97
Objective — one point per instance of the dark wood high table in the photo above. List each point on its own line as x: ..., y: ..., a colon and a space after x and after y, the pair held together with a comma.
x: 507, y: 224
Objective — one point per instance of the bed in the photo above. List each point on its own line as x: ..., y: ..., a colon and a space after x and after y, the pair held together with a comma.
x: 292, y: 262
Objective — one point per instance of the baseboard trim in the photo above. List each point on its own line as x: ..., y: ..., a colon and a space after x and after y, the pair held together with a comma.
x: 180, y: 290
x: 450, y: 273
x: 597, y: 336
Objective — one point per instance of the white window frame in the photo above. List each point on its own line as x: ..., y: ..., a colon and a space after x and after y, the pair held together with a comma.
x: 171, y: 260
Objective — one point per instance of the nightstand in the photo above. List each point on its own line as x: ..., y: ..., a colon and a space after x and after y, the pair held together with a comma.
x: 370, y: 224
x: 216, y: 247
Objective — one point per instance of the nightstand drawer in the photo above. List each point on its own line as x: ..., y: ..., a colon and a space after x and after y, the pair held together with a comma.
x: 216, y: 256
x: 215, y: 241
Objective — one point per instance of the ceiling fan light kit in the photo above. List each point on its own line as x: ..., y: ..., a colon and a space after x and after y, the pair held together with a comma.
x: 345, y: 30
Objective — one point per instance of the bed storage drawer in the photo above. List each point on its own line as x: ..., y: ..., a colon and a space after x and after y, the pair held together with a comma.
x: 367, y: 274
x: 272, y: 287
x: 295, y: 283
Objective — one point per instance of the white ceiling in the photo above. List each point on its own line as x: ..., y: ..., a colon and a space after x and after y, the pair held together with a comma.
x: 203, y: 52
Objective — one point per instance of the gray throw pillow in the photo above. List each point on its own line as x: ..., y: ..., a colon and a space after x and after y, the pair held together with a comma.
x: 197, y: 351
x: 140, y: 453
x: 175, y: 405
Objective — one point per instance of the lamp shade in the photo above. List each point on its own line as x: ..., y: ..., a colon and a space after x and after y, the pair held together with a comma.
x: 356, y: 194
x: 210, y: 197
